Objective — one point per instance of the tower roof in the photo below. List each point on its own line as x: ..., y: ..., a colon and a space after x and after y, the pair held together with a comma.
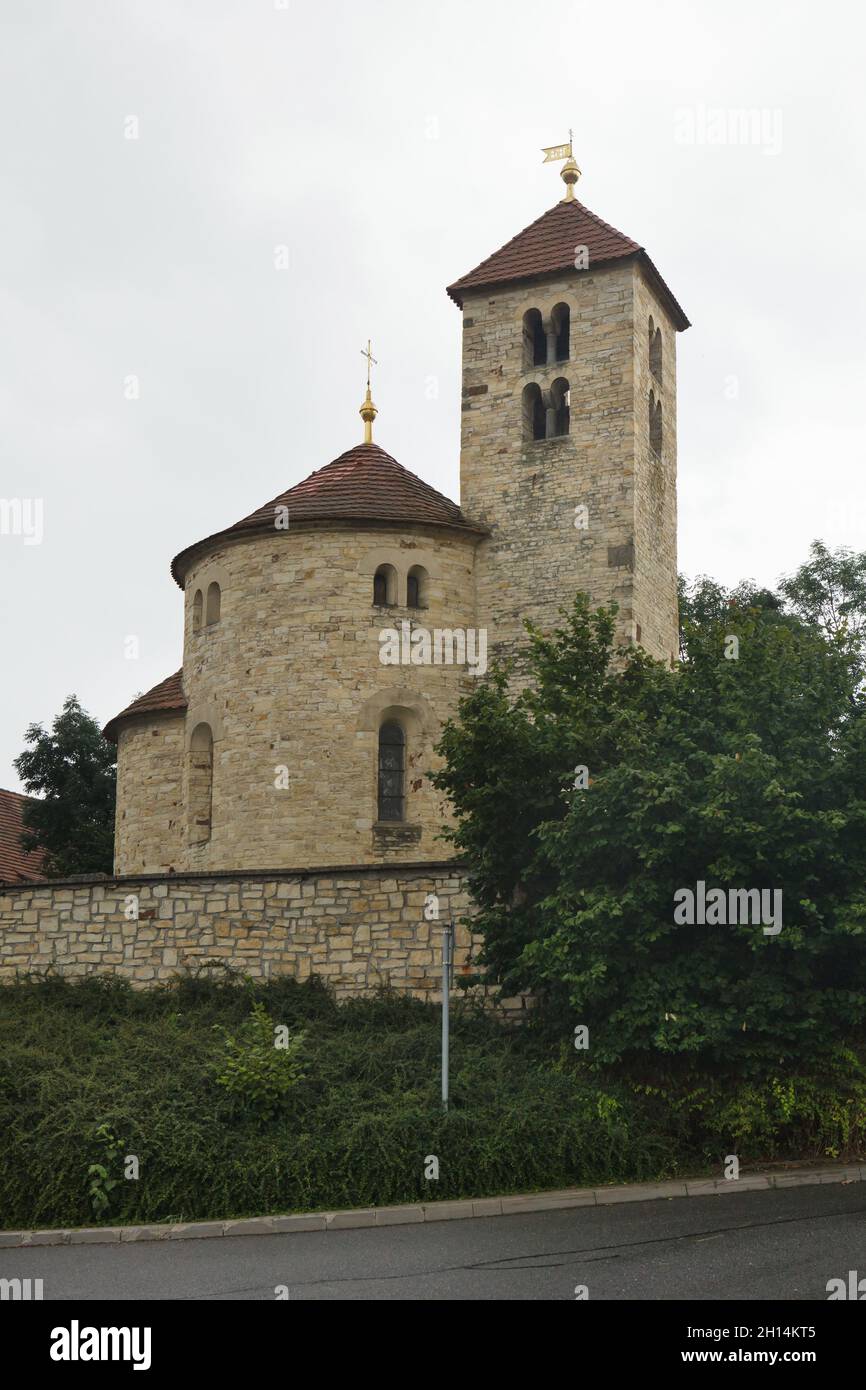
x: 364, y: 485
x: 548, y: 245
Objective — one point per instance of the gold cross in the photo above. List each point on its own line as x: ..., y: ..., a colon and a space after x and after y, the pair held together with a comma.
x: 370, y: 358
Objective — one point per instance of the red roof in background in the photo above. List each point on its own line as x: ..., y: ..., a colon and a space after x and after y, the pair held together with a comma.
x: 15, y: 865
x: 365, y: 484
x: 162, y: 699
x: 548, y: 245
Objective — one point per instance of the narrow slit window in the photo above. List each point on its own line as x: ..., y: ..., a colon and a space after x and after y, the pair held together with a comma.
x: 200, y: 784
x: 392, y: 772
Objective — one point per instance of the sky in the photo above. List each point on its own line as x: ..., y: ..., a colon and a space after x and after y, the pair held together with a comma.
x: 208, y: 206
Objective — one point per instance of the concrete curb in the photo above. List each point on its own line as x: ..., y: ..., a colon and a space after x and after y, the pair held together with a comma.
x: 436, y: 1211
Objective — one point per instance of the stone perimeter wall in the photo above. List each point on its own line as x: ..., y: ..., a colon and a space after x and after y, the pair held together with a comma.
x: 357, y: 928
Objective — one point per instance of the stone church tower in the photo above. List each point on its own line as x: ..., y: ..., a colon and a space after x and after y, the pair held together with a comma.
x: 284, y: 742
x: 568, y: 447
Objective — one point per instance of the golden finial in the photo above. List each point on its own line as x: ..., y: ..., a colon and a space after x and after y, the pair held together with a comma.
x: 569, y: 173
x: 368, y: 411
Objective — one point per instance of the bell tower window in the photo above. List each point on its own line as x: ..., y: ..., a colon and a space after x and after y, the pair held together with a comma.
x: 534, y: 423
x: 560, y: 321
x: 559, y: 411
x: 534, y: 340
x: 655, y: 351
x: 655, y: 424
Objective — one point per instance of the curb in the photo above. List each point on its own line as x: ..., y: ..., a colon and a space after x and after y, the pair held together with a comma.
x: 434, y: 1211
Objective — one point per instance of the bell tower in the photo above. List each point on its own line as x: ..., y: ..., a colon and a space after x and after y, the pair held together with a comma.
x: 568, y: 438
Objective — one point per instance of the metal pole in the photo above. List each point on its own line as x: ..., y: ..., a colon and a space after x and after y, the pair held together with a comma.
x: 447, y: 941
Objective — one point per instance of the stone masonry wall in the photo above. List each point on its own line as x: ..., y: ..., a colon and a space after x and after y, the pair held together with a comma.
x: 527, y: 491
x: 290, y: 678
x: 149, y: 819
x: 655, y: 537
x: 354, y: 927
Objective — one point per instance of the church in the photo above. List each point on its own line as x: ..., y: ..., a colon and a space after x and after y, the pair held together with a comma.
x: 285, y: 739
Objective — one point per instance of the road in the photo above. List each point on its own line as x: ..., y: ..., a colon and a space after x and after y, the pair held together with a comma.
x: 777, y: 1244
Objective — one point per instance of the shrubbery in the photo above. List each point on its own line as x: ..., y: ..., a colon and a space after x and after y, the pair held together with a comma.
x: 92, y: 1072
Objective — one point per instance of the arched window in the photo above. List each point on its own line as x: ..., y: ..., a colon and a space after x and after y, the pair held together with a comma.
x: 534, y: 340
x: 200, y: 794
x: 655, y: 351
x: 560, y: 407
x: 416, y: 587
x: 212, y: 613
x: 385, y: 586
x: 197, y: 605
x: 392, y: 772
x: 534, y: 426
x: 560, y: 320
x: 655, y: 424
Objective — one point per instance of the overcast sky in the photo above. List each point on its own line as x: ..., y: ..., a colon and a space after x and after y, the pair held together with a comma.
x: 389, y: 147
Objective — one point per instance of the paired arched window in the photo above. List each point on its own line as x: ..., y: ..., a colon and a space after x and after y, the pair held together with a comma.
x: 655, y: 424
x: 534, y: 422
x: 200, y: 787
x: 560, y: 322
x: 385, y: 586
x: 546, y: 342
x: 416, y: 587
x: 392, y: 772
x: 534, y: 340
x: 206, y: 608
x: 655, y: 351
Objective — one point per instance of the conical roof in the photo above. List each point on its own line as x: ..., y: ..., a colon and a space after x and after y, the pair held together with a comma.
x: 165, y: 698
x: 548, y: 246
x: 365, y: 484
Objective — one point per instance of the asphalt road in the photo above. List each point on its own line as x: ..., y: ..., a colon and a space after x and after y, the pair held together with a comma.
x: 777, y: 1244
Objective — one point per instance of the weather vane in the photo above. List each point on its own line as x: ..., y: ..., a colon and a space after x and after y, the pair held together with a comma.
x: 368, y: 411
x: 569, y: 173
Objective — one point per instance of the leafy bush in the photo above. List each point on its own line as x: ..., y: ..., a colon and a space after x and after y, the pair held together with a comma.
x: 260, y: 1067
x: 744, y: 773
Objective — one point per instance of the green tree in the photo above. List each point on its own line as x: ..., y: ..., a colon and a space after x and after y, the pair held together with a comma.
x: 745, y: 768
x: 829, y: 591
x: 71, y: 769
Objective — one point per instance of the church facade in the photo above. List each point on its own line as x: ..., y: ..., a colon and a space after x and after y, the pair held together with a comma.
x: 295, y: 732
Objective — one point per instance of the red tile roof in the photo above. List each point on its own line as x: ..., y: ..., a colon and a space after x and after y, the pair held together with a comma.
x: 548, y: 245
x: 365, y: 485
x: 16, y: 866
x: 165, y: 698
